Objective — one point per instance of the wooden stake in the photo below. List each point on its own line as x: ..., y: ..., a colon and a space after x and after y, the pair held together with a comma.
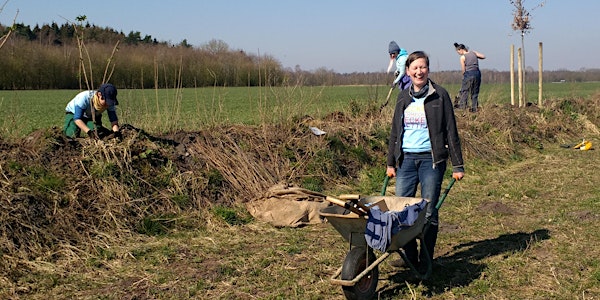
x: 520, y: 73
x: 540, y: 77
x: 512, y: 75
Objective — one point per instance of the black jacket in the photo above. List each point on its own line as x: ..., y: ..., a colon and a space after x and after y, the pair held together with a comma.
x: 441, y: 123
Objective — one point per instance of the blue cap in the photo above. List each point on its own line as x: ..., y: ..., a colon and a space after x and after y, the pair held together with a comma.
x: 393, y: 48
x: 109, y: 93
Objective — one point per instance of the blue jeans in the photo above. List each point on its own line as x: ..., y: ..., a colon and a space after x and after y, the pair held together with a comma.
x: 470, y: 85
x: 418, y: 168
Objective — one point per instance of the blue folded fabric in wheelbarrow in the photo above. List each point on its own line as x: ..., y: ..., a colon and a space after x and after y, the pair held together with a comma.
x: 382, y: 225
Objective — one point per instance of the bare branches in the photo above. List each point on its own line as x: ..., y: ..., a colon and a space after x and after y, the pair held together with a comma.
x: 82, y: 67
x: 522, y: 17
x: 5, y: 37
x: 3, y: 5
x: 108, y: 64
x: 86, y: 70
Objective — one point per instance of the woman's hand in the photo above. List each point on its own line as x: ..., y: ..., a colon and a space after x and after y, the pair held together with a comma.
x: 458, y: 175
x: 390, y: 172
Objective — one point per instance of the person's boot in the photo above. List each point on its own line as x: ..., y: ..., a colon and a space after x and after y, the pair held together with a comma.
x: 411, y: 251
x: 430, y: 240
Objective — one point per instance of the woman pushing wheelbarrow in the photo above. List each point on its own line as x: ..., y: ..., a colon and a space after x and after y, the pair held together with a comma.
x: 423, y: 137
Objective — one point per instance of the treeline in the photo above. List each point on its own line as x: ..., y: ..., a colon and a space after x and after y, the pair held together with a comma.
x: 66, y: 33
x: 48, y: 57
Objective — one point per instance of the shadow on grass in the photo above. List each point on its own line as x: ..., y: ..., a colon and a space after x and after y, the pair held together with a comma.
x: 464, y: 265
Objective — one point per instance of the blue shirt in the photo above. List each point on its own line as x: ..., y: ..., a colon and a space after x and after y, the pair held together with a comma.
x: 80, y: 107
x: 416, y: 134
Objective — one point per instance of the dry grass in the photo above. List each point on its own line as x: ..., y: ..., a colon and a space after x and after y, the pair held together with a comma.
x: 151, y: 217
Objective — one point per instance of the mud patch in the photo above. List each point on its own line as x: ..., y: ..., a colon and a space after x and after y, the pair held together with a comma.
x: 449, y: 228
x: 497, y: 208
x: 584, y: 216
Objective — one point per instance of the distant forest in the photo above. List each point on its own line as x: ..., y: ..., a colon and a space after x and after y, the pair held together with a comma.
x: 48, y: 57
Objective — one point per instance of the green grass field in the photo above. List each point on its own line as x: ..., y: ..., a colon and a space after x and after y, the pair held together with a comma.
x: 22, y: 112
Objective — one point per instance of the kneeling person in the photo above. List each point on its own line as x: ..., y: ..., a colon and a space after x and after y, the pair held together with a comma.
x: 85, y: 110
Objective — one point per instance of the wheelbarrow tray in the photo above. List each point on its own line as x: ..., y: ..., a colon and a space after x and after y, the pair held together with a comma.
x: 352, y: 226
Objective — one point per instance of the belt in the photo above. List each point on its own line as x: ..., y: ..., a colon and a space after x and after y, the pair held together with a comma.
x: 418, y: 153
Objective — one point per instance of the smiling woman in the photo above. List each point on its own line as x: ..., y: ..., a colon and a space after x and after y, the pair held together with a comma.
x: 424, y: 135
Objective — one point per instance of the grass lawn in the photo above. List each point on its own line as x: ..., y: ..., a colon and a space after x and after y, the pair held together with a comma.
x: 22, y: 112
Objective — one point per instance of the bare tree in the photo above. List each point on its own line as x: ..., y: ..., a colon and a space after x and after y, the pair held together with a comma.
x: 86, y: 71
x: 522, y: 23
x: 5, y: 37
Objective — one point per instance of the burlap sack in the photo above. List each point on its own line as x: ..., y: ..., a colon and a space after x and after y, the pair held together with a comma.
x: 284, y: 206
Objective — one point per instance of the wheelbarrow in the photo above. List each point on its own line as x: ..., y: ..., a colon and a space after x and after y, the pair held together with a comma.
x: 359, y: 273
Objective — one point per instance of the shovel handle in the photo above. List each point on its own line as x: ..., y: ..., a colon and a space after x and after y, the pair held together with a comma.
x: 345, y: 205
x: 360, y: 205
x: 355, y: 198
x: 387, y: 99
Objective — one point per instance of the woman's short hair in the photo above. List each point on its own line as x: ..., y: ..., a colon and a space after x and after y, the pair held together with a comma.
x: 416, y: 55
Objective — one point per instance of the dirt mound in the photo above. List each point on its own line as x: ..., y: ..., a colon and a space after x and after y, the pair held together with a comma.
x: 58, y: 193
x: 61, y: 195
x: 502, y: 132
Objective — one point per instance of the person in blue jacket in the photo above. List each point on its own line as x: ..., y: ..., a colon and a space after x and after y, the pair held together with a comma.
x: 398, y: 56
x: 84, y: 113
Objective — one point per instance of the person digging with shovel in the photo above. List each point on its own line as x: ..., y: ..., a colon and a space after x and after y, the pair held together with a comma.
x: 398, y: 58
x: 84, y: 112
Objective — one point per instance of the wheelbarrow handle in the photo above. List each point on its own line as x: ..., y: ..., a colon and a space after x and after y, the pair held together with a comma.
x: 445, y: 193
x: 385, y: 184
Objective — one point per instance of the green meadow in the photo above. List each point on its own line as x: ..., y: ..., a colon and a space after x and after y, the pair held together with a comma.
x: 164, y: 110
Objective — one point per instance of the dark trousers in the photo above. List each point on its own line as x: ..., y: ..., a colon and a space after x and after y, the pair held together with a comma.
x: 470, y: 86
x: 418, y: 169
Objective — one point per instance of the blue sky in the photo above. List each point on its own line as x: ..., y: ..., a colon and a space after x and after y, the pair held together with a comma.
x: 346, y: 36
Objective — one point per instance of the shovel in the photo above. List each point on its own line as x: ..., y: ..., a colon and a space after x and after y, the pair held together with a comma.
x: 350, y: 205
x: 387, y: 99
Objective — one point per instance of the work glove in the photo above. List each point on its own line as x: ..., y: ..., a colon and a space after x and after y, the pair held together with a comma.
x: 92, y: 134
x: 118, y: 135
x: 103, y: 131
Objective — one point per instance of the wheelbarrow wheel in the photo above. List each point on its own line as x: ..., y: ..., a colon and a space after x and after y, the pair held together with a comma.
x: 355, y: 263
